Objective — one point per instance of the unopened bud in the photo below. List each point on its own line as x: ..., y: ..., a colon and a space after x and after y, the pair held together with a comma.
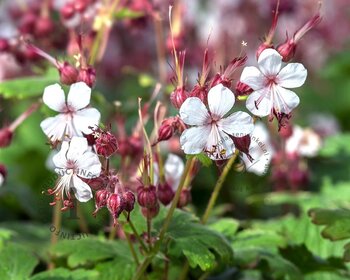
x: 129, y: 199
x: 165, y: 193
x: 27, y: 23
x: 200, y: 92
x: 5, y: 137
x: 88, y: 76
x: 287, y: 50
x: 98, y: 182
x: 166, y: 131
x: 101, y: 198
x: 43, y: 27
x: 286, y: 131
x: 178, y: 96
x: 115, y: 205
x: 150, y: 213
x: 4, y: 45
x: 68, y: 74
x: 80, y: 5
x: 67, y: 11
x: 106, y: 143
x: 185, y: 198
x: 147, y: 196
x: 261, y: 48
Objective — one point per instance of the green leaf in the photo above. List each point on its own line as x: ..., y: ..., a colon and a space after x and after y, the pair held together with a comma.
x: 336, y: 221
x: 226, y: 226
x: 16, y: 263
x: 126, y: 13
x: 201, y: 246
x: 89, y: 251
x: 204, y: 159
x: 27, y: 87
x: 121, y: 269
x: 336, y: 145
x: 65, y: 274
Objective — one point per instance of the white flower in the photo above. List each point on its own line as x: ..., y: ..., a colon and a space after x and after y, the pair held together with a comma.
x: 304, y: 142
x: 2, y: 179
x: 210, y: 128
x: 270, y: 83
x: 74, y: 161
x: 173, y: 169
x: 74, y: 118
x: 261, y: 150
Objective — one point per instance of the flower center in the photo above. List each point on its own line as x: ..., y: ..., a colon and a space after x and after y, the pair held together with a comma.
x: 270, y: 81
x: 71, y: 164
x: 67, y: 109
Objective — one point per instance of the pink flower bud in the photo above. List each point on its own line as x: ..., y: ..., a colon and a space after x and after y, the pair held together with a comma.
x: 147, y: 196
x: 43, y: 27
x: 5, y: 137
x: 68, y: 74
x: 166, y: 130
x: 106, y: 143
x: 287, y: 50
x: 88, y: 76
x: 242, y: 89
x: 178, y: 96
x: 67, y: 11
x: 98, y: 182
x: 165, y: 193
x: 185, y: 198
x: 27, y: 23
x: 150, y: 213
x: 286, y: 131
x: 129, y: 199
x: 261, y: 48
x: 115, y: 205
x: 200, y: 92
x: 4, y: 45
x: 101, y: 198
x: 80, y: 5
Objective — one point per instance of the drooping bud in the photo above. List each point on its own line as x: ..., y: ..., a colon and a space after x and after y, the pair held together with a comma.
x: 27, y: 23
x: 105, y: 142
x: 178, y: 96
x: 165, y: 193
x: 5, y: 137
x: 115, y: 205
x: 286, y: 131
x: 150, y: 213
x: 3, y: 174
x: 98, y: 182
x: 147, y: 196
x: 166, y: 130
x: 129, y: 199
x: 185, y: 198
x: 43, y: 27
x: 68, y: 73
x: 101, y: 198
x: 88, y: 76
x: 242, y: 89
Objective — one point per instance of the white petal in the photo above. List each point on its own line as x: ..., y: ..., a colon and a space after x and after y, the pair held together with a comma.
x: 194, y: 112
x: 54, y: 97
x: 292, y: 75
x: 284, y: 100
x: 193, y: 139
x: 173, y: 167
x: 89, y: 165
x: 81, y: 190
x: 1, y: 180
x: 220, y: 100
x: 219, y: 145
x: 60, y: 159
x: 270, y: 62
x: 85, y: 118
x: 77, y: 147
x: 237, y: 124
x: 252, y: 77
x: 259, y: 102
x: 79, y: 96
x: 54, y: 127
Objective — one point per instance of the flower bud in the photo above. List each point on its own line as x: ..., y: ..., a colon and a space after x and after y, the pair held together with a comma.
x: 242, y: 89
x: 200, y: 92
x: 80, y: 5
x: 150, y: 213
x: 115, y: 204
x: 68, y: 74
x: 101, y: 198
x: 178, y: 96
x: 3, y: 174
x: 27, y: 23
x: 287, y: 50
x: 147, y: 196
x: 185, y: 198
x: 261, y: 48
x: 98, y: 182
x: 298, y: 178
x: 88, y: 76
x: 67, y: 11
x: 129, y: 199
x: 106, y: 143
x: 165, y: 193
x: 43, y: 27
x: 286, y: 131
x: 4, y: 45
x: 5, y: 137
x: 166, y: 130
